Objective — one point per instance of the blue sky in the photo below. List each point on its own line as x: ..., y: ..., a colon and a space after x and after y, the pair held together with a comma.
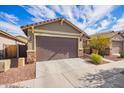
x: 90, y: 19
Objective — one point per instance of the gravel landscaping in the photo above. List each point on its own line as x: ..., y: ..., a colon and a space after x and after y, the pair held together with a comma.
x: 114, y: 58
x: 18, y: 74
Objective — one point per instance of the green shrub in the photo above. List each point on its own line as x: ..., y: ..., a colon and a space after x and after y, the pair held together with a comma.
x: 122, y: 54
x: 97, y: 59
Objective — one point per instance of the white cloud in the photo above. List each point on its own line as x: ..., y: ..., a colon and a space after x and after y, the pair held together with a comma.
x: 8, y: 17
x: 37, y: 19
x: 104, y: 24
x: 95, y: 13
x: 119, y: 24
x: 56, y: 8
x: 89, y: 14
x: 40, y: 12
x: 11, y: 28
x: 67, y: 11
x: 90, y: 31
x: 9, y: 24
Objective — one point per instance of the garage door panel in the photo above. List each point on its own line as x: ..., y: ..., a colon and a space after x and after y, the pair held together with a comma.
x: 116, y: 47
x: 49, y: 48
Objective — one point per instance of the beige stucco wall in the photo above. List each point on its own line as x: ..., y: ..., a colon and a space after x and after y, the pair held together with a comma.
x: 56, y: 29
x: 5, y: 65
x: 117, y: 38
x: 58, y: 26
x: 5, y: 41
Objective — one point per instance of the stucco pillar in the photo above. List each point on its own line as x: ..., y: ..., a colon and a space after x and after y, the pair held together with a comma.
x: 31, y: 52
x: 80, y: 47
x: 31, y: 56
x: 110, y: 51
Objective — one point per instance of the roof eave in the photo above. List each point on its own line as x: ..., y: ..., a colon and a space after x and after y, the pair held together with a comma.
x: 51, y: 21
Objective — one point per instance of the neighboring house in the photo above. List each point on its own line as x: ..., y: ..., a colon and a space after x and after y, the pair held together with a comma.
x: 22, y: 38
x: 117, y: 41
x: 54, y: 39
x: 10, y: 46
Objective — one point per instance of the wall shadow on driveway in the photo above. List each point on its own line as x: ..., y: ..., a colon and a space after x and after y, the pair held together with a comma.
x: 113, y: 78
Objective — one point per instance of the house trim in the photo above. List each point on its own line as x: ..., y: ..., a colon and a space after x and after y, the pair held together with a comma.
x: 56, y: 32
x: 32, y: 26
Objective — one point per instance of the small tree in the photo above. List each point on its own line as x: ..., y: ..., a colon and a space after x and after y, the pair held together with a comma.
x: 99, y: 43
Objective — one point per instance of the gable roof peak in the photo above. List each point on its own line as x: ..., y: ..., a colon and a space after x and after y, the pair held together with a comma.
x: 54, y: 20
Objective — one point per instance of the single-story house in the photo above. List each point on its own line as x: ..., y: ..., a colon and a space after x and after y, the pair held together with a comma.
x: 54, y: 39
x: 10, y: 46
x: 116, y: 39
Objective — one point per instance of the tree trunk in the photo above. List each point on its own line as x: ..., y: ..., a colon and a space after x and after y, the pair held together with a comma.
x: 95, y: 51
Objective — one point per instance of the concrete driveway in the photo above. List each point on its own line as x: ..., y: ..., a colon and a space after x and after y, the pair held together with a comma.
x: 60, y: 66
x: 75, y: 73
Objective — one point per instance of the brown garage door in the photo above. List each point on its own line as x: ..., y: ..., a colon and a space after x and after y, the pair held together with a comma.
x: 116, y: 47
x: 50, y: 48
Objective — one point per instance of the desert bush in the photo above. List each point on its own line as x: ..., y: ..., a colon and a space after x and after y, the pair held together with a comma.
x: 97, y: 59
x: 122, y: 54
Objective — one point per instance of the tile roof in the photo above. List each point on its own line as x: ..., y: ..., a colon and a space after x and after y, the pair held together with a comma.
x: 109, y: 34
x: 51, y: 21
